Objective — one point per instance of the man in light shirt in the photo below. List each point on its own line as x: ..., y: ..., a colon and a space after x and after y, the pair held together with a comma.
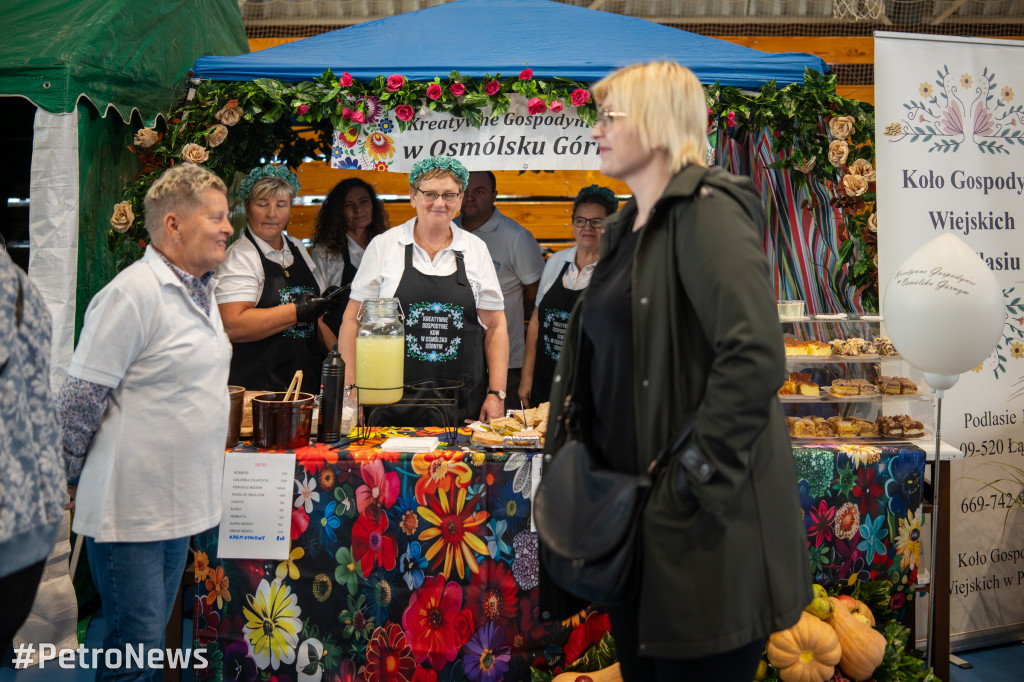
x: 517, y: 259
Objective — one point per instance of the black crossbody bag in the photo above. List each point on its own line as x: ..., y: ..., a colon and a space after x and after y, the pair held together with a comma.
x: 589, y: 517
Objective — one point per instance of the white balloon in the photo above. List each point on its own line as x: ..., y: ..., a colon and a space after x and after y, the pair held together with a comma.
x: 943, y: 308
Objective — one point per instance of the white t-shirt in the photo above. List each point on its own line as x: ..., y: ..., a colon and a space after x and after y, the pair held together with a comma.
x: 384, y: 263
x: 332, y: 265
x: 240, y: 277
x: 154, y: 468
x: 574, y: 279
x: 518, y: 261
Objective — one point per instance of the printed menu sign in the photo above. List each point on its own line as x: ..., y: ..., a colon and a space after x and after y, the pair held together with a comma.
x: 255, y: 520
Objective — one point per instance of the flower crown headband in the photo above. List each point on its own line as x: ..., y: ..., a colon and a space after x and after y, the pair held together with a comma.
x: 268, y: 171
x: 597, y: 191
x: 445, y: 163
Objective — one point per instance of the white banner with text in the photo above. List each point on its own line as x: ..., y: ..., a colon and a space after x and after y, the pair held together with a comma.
x: 513, y: 140
x: 950, y: 156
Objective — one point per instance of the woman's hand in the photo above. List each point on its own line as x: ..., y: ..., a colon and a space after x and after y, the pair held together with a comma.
x: 72, y: 492
x: 525, y: 384
x: 493, y: 408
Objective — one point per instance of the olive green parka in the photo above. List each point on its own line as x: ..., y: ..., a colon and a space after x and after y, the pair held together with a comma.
x: 725, y: 560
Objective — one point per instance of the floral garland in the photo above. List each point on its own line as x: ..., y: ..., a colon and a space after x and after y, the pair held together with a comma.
x: 807, y: 119
x: 818, y: 135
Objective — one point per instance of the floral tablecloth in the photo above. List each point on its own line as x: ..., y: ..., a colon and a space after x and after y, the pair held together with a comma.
x: 411, y: 568
x: 862, y: 511
x: 402, y: 568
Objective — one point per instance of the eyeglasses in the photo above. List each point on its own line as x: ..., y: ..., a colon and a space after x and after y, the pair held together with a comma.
x: 449, y: 197
x: 580, y: 223
x: 605, y: 117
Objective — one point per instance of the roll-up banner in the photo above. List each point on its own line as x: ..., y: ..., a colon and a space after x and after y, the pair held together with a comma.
x: 949, y: 139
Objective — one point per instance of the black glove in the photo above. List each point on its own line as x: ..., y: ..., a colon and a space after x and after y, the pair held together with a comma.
x: 309, y: 307
x: 337, y: 302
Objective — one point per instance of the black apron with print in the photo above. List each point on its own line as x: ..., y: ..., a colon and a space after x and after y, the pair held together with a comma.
x: 335, y: 315
x: 270, y: 363
x: 444, y: 341
x: 553, y: 317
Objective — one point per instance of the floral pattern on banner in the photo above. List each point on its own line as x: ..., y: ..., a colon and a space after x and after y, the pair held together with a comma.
x: 862, y: 511
x: 402, y: 567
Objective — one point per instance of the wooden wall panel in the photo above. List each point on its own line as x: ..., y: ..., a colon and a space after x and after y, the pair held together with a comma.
x: 547, y: 220
x: 317, y: 178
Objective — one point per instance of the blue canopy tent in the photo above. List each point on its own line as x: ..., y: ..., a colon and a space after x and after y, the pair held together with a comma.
x: 479, y: 37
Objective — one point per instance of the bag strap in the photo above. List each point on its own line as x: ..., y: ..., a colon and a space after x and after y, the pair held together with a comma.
x: 677, y: 442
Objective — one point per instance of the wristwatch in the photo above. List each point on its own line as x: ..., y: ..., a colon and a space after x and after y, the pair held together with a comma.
x: 499, y: 393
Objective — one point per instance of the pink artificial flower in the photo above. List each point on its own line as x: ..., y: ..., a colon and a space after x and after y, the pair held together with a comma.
x: 404, y: 112
x: 358, y: 117
x: 556, y: 106
x: 526, y: 74
x: 536, y: 106
x: 458, y: 89
x: 492, y: 87
x: 579, y: 97
x: 346, y: 113
x: 730, y: 120
x: 434, y: 91
x: 395, y: 83
x: 303, y: 108
x: 345, y: 80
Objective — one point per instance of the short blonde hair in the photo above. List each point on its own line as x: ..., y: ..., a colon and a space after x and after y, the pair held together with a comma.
x: 178, y: 190
x: 666, y: 108
x: 269, y: 187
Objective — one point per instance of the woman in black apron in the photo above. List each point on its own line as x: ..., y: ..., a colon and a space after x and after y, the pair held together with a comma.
x: 551, y: 315
x: 454, y: 327
x: 277, y: 333
x: 349, y: 218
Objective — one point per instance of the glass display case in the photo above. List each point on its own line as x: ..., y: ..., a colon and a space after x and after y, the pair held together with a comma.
x: 847, y: 383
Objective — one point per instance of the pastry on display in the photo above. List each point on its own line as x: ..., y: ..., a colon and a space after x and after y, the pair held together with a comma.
x: 888, y: 385
x: 911, y: 427
x: 845, y: 388
x: 794, y: 346
x: 889, y: 427
x: 883, y: 346
x: 907, y: 387
x: 818, y: 348
x: 799, y: 383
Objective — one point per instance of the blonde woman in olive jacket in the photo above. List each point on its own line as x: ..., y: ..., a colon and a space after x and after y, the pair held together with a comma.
x: 724, y: 550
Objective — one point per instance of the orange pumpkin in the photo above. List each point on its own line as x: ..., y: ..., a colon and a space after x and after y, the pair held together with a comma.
x: 806, y: 652
x: 863, y: 647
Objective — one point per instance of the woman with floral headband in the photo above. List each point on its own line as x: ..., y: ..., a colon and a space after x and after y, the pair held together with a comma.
x: 268, y: 290
x: 429, y: 262
x: 565, y: 275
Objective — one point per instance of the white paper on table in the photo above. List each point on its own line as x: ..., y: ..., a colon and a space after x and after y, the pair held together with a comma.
x: 410, y: 444
x: 536, y: 461
x: 256, y: 511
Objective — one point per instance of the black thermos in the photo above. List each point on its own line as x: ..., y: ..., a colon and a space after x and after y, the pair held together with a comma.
x: 332, y: 378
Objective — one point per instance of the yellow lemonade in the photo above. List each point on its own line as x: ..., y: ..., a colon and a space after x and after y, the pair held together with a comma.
x: 380, y: 368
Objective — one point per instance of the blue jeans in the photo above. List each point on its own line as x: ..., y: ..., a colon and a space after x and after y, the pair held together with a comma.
x: 138, y: 583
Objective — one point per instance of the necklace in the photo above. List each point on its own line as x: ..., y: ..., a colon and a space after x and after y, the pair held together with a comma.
x: 430, y: 248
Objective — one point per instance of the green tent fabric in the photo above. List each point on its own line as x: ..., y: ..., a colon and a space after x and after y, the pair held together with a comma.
x: 120, y: 53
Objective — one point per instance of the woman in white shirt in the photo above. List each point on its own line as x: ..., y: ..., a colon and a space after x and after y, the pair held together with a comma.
x: 268, y: 290
x: 144, y: 412
x: 352, y: 214
x: 565, y: 275
x: 430, y: 264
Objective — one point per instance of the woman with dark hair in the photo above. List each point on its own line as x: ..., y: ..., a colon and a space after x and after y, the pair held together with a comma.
x: 349, y: 218
x: 566, y: 274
